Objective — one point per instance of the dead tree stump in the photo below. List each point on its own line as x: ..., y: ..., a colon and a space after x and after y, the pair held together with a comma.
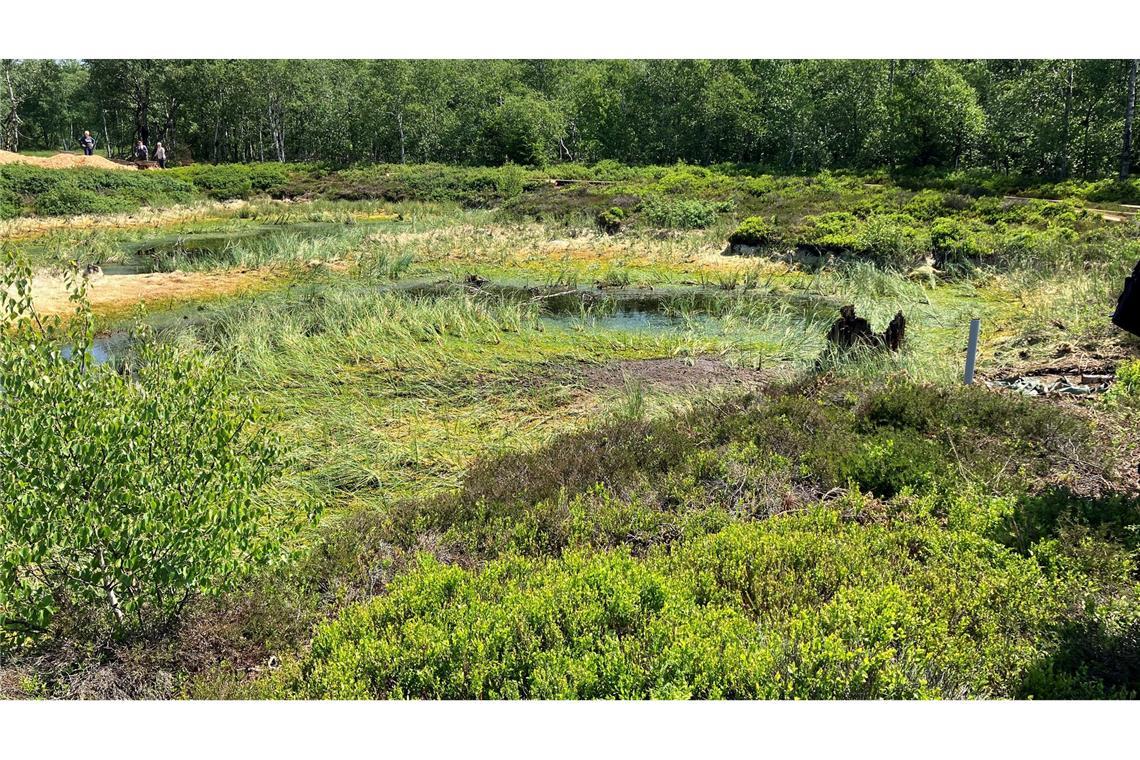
x: 850, y: 330
x: 895, y: 333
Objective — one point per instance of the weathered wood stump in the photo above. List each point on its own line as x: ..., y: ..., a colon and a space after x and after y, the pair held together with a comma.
x: 893, y: 336
x: 850, y: 330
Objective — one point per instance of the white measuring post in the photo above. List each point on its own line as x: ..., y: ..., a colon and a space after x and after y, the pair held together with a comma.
x: 972, y: 351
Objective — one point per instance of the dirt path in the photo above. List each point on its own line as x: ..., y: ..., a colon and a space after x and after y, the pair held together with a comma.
x: 65, y: 161
x: 699, y: 373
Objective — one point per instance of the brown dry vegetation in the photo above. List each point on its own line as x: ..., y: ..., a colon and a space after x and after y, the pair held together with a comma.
x: 119, y: 293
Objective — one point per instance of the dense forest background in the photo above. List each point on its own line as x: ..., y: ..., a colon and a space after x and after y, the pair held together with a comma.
x: 1050, y: 118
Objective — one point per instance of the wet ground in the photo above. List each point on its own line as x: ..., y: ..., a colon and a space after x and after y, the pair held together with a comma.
x: 167, y: 252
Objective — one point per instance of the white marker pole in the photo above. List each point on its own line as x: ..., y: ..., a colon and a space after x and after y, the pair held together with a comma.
x: 972, y: 351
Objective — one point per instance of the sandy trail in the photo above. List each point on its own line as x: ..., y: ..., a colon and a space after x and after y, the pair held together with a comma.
x: 65, y: 161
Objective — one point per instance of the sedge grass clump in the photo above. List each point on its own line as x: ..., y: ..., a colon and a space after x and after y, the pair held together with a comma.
x: 386, y: 393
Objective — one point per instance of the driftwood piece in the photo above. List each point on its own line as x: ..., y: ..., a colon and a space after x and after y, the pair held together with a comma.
x: 850, y: 330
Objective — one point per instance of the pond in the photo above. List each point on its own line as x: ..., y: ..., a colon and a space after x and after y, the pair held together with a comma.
x: 746, y: 322
x: 165, y: 251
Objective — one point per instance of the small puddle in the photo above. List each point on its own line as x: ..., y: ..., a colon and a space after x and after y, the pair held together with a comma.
x: 104, y: 348
x: 625, y: 320
x: 711, y: 313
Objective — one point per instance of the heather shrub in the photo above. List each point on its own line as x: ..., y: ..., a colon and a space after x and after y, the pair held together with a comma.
x: 682, y: 214
x: 611, y: 219
x: 753, y: 231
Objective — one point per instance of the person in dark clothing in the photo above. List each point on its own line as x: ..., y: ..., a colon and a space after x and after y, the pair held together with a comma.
x: 141, y: 151
x: 160, y: 155
x: 87, y: 142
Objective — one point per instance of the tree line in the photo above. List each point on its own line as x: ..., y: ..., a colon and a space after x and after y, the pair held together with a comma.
x: 1052, y: 118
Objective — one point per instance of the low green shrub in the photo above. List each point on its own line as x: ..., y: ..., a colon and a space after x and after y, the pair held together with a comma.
x: 269, y: 178
x: 221, y: 182
x: 682, y: 214
x: 692, y: 182
x: 754, y: 230
x: 474, y: 187
x: 10, y: 205
x: 1114, y: 191
x: 832, y: 232
x: 1125, y: 387
x: 27, y: 180
x: 953, y: 242
x: 510, y: 181
x: 231, y: 181
x: 762, y: 185
x: 61, y: 192
x: 611, y: 219
x: 67, y: 200
x: 926, y: 205
x: 796, y: 607
x: 890, y: 239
